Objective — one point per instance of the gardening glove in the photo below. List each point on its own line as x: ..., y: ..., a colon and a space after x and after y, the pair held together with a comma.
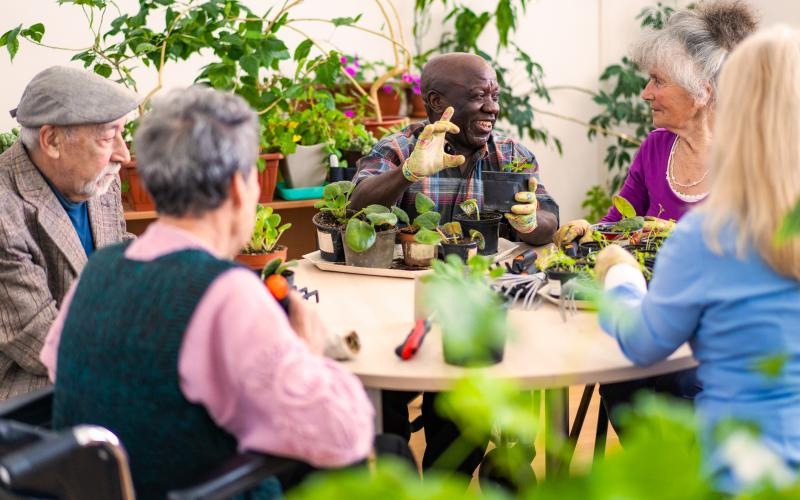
x: 428, y: 156
x: 572, y: 230
x: 523, y: 216
x: 609, y: 257
x: 653, y: 228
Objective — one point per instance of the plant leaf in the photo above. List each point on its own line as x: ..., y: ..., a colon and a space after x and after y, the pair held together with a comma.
x: 427, y: 237
x: 423, y: 204
x: 624, y: 206
x: 359, y: 235
x: 790, y: 226
x: 427, y: 220
x: 382, y: 219
x: 400, y: 214
x: 476, y: 235
x: 375, y: 209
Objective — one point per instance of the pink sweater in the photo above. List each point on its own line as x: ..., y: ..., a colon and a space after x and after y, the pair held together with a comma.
x: 242, y: 361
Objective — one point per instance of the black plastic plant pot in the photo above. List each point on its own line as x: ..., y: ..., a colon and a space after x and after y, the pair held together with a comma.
x: 485, y: 355
x: 499, y: 189
x: 329, y: 237
x: 560, y: 276
x: 488, y: 226
x: 588, y: 248
x: 379, y: 255
x: 463, y: 250
x: 337, y: 174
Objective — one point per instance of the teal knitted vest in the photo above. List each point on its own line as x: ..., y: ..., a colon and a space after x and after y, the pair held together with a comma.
x: 118, y: 365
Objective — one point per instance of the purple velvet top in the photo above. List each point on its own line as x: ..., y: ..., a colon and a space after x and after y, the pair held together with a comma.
x: 646, y: 186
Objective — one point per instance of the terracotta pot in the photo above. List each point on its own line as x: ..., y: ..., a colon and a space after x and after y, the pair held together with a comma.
x: 269, y: 177
x: 136, y: 195
x: 257, y: 261
x: 372, y: 124
x: 379, y: 255
x: 414, y: 253
x: 416, y: 107
x: 389, y: 102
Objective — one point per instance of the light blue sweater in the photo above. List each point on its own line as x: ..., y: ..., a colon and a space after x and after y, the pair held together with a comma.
x: 735, y: 314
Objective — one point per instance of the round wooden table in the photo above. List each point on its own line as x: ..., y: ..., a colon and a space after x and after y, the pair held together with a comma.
x: 543, y: 352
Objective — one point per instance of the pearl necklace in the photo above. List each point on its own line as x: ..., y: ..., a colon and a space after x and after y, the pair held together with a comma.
x: 670, y: 170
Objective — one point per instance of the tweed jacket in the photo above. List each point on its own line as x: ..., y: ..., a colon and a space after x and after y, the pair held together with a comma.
x: 40, y: 256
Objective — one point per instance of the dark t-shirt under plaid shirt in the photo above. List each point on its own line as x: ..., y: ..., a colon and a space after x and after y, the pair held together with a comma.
x: 450, y: 187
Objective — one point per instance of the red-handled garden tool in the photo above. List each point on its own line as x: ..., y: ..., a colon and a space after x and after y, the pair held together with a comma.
x: 413, y: 341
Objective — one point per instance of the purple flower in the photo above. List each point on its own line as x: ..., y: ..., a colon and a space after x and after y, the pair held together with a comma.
x: 416, y: 89
x: 355, y: 61
x: 343, y: 60
x: 407, y: 78
x: 349, y: 113
x: 350, y: 70
x: 388, y: 89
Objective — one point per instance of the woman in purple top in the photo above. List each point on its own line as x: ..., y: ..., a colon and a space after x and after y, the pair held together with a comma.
x: 670, y: 172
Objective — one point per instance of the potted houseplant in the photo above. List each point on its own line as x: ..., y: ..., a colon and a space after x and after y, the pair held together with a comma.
x: 486, y: 223
x: 499, y: 188
x: 420, y: 238
x: 352, y: 141
x: 473, y: 335
x: 625, y: 228
x: 369, y: 236
x: 263, y: 245
x: 455, y: 242
x: 331, y: 217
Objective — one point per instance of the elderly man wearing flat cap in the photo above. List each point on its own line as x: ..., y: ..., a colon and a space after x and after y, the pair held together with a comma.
x: 60, y: 200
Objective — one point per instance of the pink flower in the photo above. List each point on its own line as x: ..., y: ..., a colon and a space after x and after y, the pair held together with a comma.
x: 343, y: 60
x: 355, y: 61
x: 349, y: 113
x: 350, y: 70
x: 416, y: 89
x: 407, y: 78
x: 388, y: 89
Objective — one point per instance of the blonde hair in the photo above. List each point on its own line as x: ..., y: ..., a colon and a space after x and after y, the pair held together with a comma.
x: 756, y: 153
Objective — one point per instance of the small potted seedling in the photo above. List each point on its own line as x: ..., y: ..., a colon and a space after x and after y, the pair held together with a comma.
x: 369, y: 236
x: 263, y: 245
x: 500, y: 187
x: 487, y: 223
x: 625, y: 228
x: 332, y: 216
x: 470, y: 313
x: 455, y: 242
x: 420, y: 238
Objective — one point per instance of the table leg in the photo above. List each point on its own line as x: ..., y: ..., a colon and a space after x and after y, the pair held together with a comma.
x: 556, y: 426
x: 376, y: 399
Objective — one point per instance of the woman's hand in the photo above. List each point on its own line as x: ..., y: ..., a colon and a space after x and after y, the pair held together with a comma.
x: 609, y: 257
x: 306, y: 323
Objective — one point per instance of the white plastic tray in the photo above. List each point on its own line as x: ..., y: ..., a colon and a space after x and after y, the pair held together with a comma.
x: 504, y: 249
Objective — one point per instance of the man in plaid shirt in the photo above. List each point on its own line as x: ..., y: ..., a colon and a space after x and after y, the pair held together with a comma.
x: 445, y: 156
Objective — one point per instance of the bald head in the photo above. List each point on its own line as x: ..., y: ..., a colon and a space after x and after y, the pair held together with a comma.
x: 446, y: 70
x: 468, y: 83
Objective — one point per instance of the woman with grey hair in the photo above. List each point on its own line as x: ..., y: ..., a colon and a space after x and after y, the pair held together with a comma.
x: 669, y: 174
x: 178, y: 350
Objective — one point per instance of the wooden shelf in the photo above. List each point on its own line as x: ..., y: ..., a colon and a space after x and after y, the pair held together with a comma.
x: 277, y: 205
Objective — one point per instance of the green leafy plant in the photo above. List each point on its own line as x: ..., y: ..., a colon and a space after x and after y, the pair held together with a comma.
x: 277, y: 266
x: 469, y: 207
x: 452, y: 232
x: 348, y: 135
x: 7, y: 139
x: 266, y: 232
x: 426, y: 224
x: 360, y: 233
x: 630, y: 221
x: 335, y: 199
x: 518, y: 165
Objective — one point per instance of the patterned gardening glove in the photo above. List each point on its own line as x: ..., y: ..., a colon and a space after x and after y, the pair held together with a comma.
x: 610, y: 256
x: 428, y: 156
x: 572, y: 230
x: 523, y: 216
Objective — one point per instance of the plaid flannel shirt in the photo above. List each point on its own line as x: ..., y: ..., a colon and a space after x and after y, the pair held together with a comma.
x: 449, y: 187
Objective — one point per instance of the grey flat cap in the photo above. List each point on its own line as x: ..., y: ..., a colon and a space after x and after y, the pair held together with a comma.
x: 68, y: 96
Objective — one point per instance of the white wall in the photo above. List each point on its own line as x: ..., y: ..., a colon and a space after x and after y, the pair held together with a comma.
x: 572, y: 39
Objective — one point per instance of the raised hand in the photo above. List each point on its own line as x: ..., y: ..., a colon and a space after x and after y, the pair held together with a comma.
x: 429, y: 156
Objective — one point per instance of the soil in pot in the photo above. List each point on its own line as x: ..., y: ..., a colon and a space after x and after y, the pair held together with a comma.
x: 329, y: 237
x: 488, y: 226
x: 464, y: 249
x: 499, y: 189
x: 416, y: 254
x: 257, y: 261
x: 379, y: 255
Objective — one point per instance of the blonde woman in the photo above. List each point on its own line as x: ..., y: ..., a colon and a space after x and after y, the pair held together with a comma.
x: 721, y: 283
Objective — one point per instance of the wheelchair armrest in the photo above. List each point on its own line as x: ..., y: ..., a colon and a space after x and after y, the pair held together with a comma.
x: 34, y: 408
x: 237, y: 475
